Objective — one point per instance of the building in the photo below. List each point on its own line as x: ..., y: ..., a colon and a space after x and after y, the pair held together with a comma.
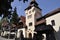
x: 53, y: 19
x: 36, y: 26
x: 21, y: 27
x: 39, y: 26
x: 33, y: 12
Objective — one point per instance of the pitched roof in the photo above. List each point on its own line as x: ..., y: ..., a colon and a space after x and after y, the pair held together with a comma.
x: 40, y: 22
x: 42, y: 19
x: 35, y: 4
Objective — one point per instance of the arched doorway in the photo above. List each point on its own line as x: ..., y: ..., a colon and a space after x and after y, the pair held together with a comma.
x: 21, y: 35
x: 30, y: 36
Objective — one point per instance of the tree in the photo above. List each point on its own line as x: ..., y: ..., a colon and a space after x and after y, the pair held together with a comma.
x: 5, y: 7
x: 23, y: 0
x: 0, y: 24
x: 14, y: 18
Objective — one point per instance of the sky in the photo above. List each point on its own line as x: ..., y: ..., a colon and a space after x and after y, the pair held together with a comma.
x: 46, y: 6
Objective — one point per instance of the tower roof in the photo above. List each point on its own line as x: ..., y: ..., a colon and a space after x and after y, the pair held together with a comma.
x: 33, y: 0
x: 32, y: 3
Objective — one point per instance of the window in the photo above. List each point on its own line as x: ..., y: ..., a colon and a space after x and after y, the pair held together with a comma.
x: 29, y: 12
x: 30, y: 24
x: 53, y: 23
x: 29, y: 16
x: 33, y: 10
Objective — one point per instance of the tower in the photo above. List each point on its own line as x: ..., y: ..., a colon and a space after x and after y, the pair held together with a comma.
x: 33, y: 12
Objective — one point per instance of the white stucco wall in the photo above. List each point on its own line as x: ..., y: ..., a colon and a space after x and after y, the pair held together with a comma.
x: 56, y: 18
x: 32, y: 19
x: 19, y: 31
x: 30, y: 29
x: 28, y: 20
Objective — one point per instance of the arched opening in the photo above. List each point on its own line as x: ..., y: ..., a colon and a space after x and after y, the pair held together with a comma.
x: 21, y: 34
x: 21, y: 37
x: 30, y: 35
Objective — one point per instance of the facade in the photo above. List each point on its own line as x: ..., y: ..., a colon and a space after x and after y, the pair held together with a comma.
x: 33, y: 12
x: 39, y: 27
x: 54, y: 20
x: 21, y: 27
x: 23, y: 19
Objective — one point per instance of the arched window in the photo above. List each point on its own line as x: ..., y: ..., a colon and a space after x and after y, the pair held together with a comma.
x: 29, y: 16
x: 53, y: 22
x: 33, y: 10
x: 30, y: 24
x: 29, y: 12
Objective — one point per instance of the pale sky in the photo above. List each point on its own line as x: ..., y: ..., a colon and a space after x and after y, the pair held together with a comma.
x: 45, y: 5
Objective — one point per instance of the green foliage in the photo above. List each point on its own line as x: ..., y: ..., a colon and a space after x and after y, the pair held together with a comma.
x: 5, y: 5
x: 14, y: 18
